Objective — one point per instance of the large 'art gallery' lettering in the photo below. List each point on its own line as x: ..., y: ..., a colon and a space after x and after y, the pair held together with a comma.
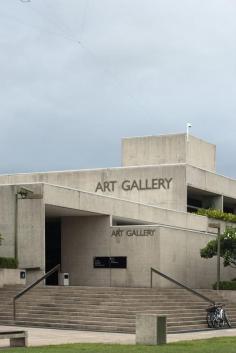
x: 140, y: 184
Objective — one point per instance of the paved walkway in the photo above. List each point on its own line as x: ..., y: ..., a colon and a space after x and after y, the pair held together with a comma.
x: 42, y: 337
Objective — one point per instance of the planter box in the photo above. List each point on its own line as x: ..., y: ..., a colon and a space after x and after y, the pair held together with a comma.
x: 11, y: 277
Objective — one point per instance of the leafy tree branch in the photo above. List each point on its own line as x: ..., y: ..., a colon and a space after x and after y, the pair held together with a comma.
x: 227, y: 248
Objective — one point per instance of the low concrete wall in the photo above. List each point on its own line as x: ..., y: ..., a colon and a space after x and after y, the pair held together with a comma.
x: 150, y: 329
x: 10, y: 277
x: 229, y: 295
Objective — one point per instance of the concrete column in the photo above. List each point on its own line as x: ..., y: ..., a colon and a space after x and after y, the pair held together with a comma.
x: 150, y: 329
x: 215, y: 202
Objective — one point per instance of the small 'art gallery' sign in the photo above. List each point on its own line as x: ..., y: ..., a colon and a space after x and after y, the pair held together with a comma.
x: 133, y: 232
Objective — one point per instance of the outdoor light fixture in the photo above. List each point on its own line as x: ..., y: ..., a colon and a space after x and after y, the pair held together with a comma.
x: 24, y: 193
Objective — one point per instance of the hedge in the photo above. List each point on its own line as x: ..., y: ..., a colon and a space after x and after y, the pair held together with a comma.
x: 226, y: 285
x: 8, y: 262
x: 217, y: 214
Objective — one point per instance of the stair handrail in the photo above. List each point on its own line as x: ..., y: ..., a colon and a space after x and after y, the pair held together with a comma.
x: 193, y: 291
x: 57, y: 268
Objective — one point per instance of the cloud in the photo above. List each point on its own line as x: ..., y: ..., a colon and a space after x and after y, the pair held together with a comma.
x: 77, y: 75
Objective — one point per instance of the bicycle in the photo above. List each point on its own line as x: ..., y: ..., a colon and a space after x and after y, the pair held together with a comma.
x: 217, y: 316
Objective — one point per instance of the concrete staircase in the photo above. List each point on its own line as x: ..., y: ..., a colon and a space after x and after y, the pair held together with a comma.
x: 106, y: 309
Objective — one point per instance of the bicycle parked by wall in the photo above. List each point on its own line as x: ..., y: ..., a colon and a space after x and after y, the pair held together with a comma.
x: 217, y: 316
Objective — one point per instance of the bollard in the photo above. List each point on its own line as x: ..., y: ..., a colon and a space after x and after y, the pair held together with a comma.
x: 150, y: 329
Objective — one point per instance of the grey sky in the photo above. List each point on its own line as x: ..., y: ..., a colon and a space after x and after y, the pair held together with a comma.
x: 144, y: 68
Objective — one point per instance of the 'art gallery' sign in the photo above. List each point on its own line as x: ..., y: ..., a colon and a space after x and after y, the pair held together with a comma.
x: 133, y: 184
x: 150, y: 232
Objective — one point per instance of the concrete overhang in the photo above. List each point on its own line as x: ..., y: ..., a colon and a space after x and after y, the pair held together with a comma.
x: 210, y: 182
x: 199, y: 192
x: 59, y: 200
x: 230, y: 201
x: 52, y: 211
x: 68, y: 198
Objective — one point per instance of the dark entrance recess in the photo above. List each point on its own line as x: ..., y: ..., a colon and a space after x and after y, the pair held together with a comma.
x: 193, y: 205
x: 52, y: 248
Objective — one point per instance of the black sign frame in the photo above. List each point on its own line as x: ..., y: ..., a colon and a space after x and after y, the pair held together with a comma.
x: 110, y: 262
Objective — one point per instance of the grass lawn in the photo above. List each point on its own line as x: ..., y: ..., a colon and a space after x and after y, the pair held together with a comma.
x: 212, y: 345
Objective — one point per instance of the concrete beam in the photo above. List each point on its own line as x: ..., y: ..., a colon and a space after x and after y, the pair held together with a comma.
x: 105, y: 205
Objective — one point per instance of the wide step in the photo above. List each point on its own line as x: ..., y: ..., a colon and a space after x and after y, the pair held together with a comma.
x: 106, y: 309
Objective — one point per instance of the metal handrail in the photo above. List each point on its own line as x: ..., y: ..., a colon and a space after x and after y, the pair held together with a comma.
x: 193, y: 291
x: 57, y: 268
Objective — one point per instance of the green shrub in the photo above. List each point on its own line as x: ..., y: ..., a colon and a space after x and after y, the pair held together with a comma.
x: 8, y: 262
x: 217, y: 214
x: 226, y: 285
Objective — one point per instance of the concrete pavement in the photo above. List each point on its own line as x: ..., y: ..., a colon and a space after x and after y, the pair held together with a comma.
x: 43, y: 337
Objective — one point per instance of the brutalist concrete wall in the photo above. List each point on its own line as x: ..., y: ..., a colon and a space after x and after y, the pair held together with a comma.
x: 201, y: 154
x: 167, y: 149
x: 82, y: 239
x: 180, y: 259
x: 31, y: 231
x: 7, y: 221
x: 204, y: 180
x: 9, y: 277
x: 121, y: 209
x: 173, y: 251
x: 141, y: 245
x: 160, y: 186
x: 28, y: 227
x: 154, y: 150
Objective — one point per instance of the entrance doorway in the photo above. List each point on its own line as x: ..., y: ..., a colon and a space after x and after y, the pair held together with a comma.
x: 52, y: 248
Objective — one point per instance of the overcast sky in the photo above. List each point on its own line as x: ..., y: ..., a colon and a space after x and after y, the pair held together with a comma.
x: 78, y: 75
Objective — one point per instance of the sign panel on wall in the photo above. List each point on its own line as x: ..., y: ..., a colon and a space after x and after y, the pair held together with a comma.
x: 110, y: 262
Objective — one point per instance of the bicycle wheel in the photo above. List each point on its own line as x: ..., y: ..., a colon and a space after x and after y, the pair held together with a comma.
x: 216, y: 323
x: 221, y: 323
x: 209, y: 320
x: 227, y: 320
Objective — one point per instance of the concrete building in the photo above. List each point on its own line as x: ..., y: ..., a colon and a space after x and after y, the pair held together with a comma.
x: 108, y: 227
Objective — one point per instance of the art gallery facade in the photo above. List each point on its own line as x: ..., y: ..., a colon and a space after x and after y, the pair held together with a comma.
x: 108, y: 227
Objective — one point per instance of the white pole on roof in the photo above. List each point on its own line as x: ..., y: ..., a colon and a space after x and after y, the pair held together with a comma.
x: 189, y: 125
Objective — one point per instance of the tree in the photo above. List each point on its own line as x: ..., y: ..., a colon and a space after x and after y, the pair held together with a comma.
x: 227, y: 248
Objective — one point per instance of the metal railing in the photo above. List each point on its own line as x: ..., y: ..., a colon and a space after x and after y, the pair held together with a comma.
x: 193, y: 291
x: 57, y: 268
